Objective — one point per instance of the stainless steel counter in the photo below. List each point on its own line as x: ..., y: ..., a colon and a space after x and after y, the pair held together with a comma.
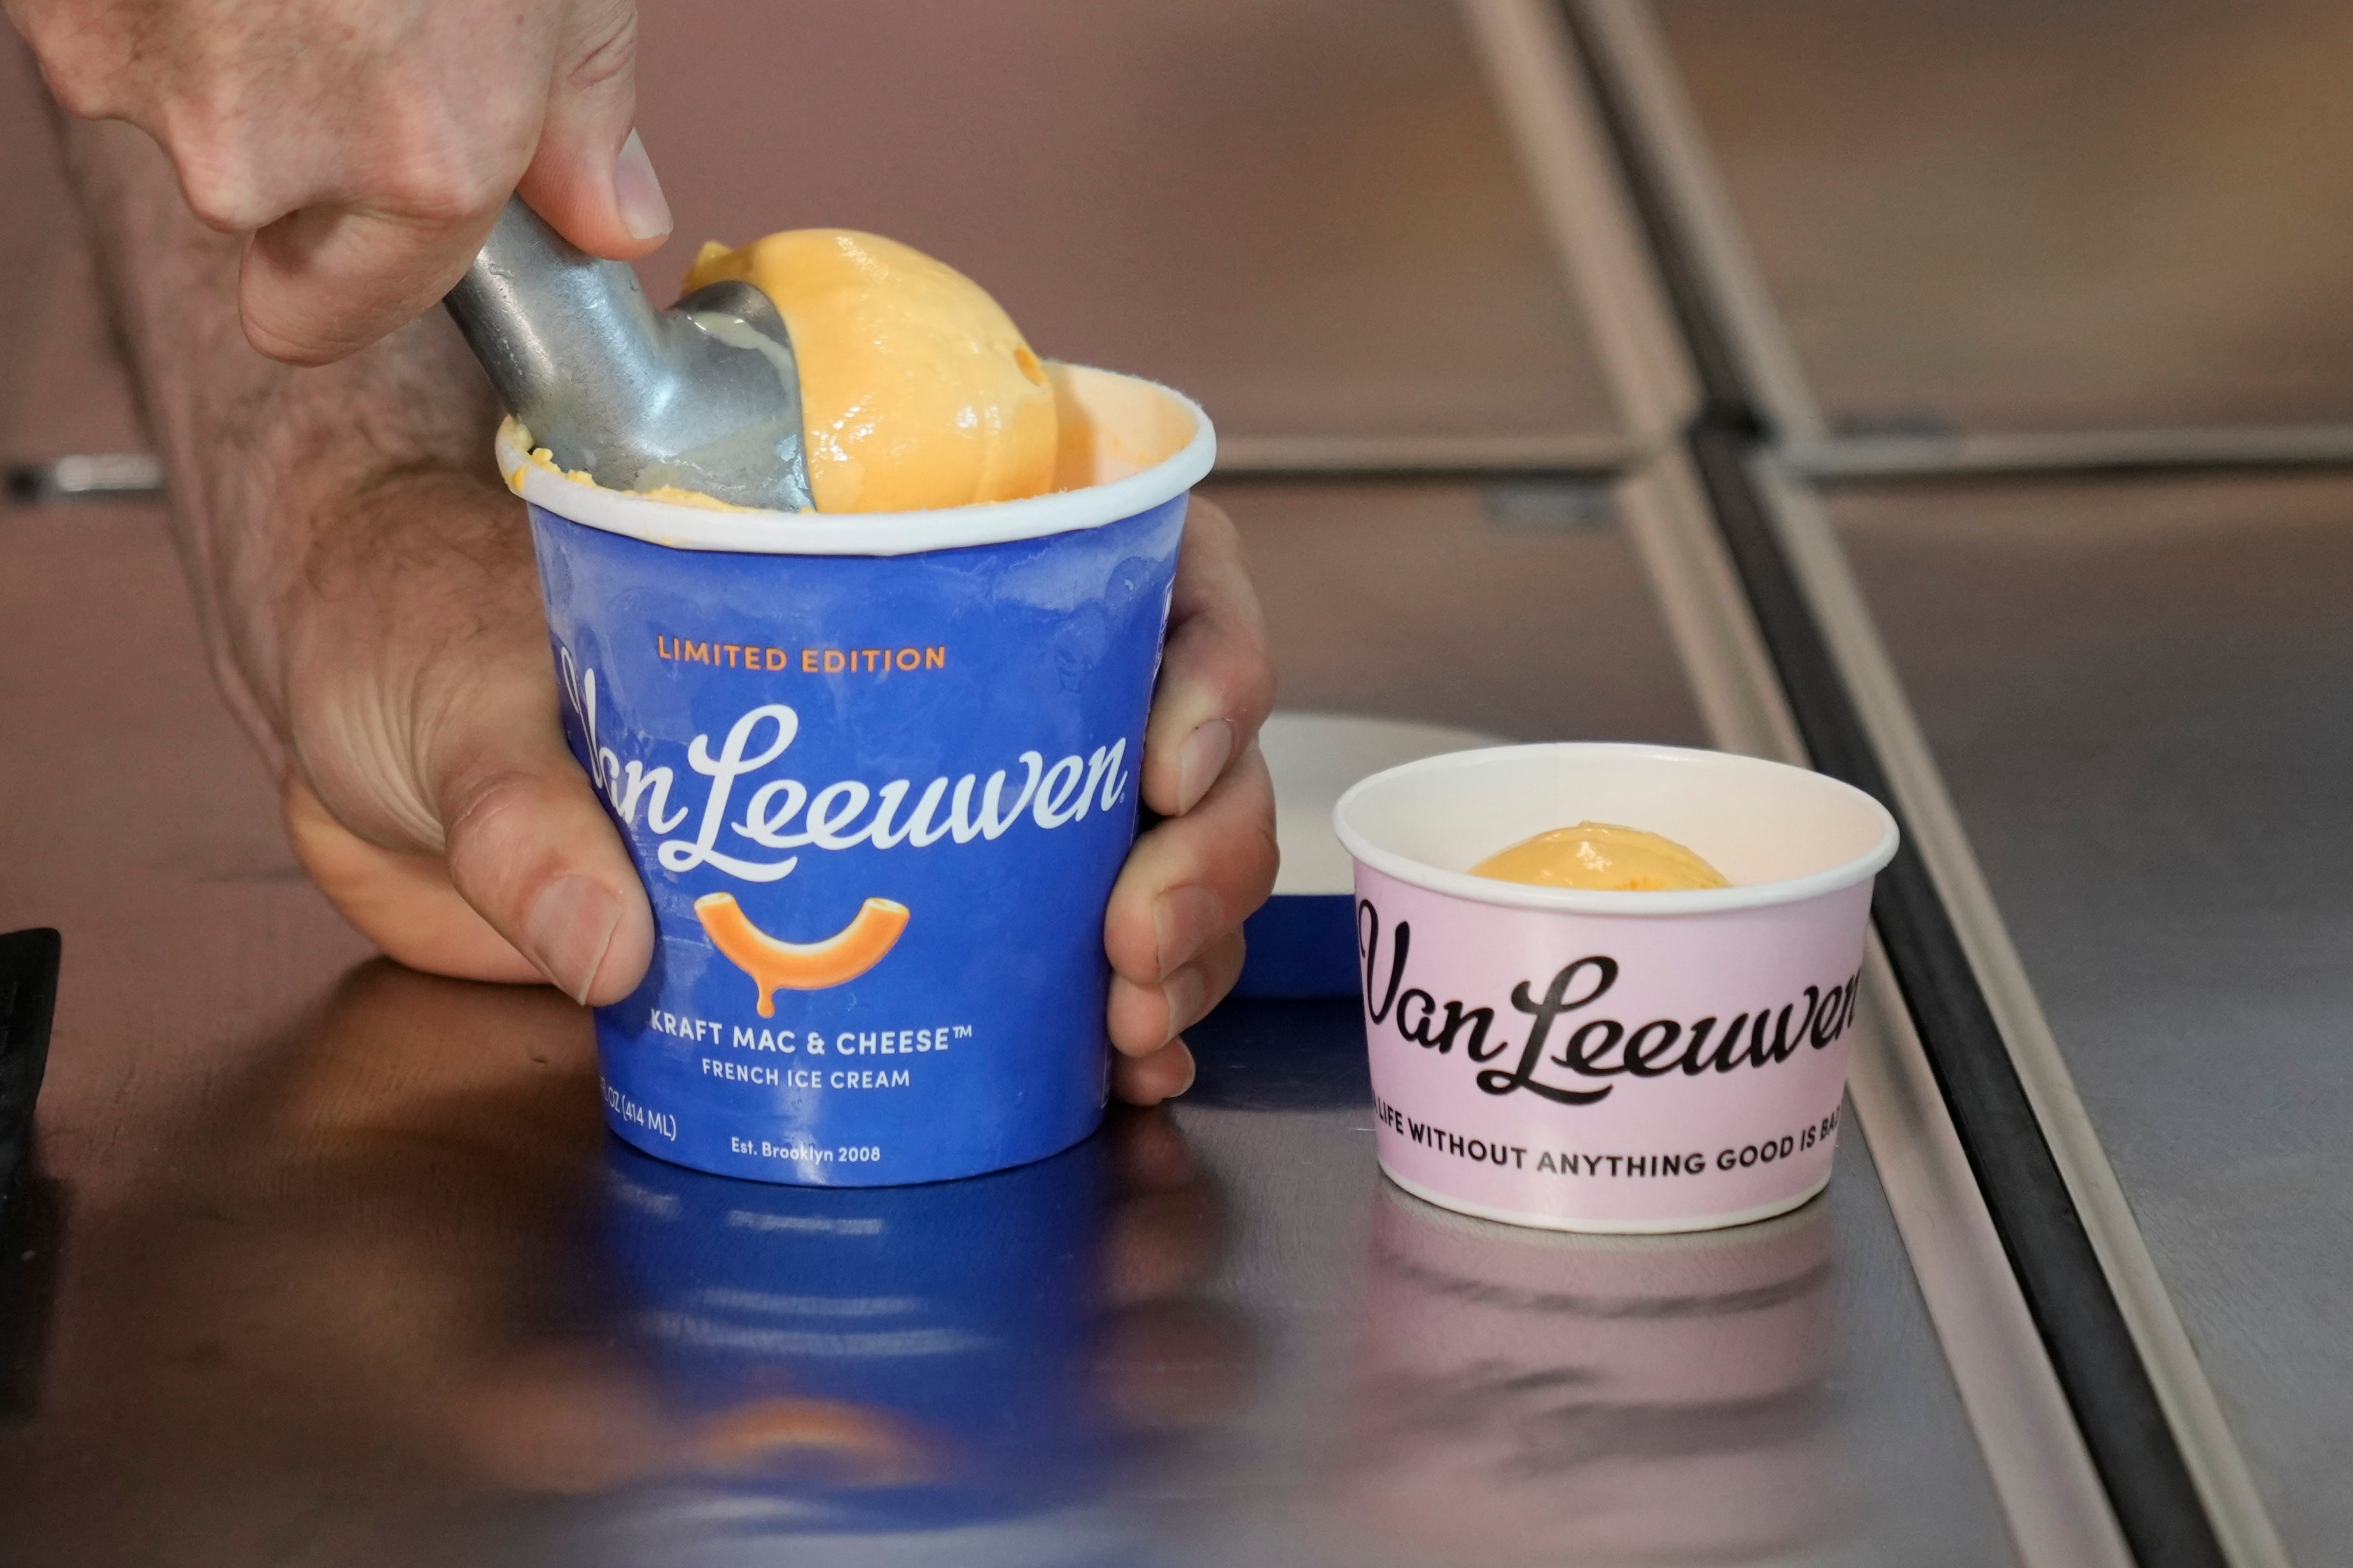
x: 349, y: 1271
x: 2139, y: 695
x: 2102, y: 703
x: 2021, y: 216
x: 385, y: 1292
x: 327, y: 1262
x: 1306, y: 214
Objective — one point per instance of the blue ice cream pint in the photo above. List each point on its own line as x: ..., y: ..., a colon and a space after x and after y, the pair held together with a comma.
x: 878, y: 772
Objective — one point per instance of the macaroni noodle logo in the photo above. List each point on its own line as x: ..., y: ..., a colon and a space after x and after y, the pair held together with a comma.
x: 841, y: 815
x: 777, y: 965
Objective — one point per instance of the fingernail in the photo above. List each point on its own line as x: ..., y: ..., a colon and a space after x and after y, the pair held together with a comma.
x: 1183, y: 920
x: 569, y: 928
x: 1192, y: 1069
x: 645, y: 211
x: 1186, y: 992
x: 1202, y: 758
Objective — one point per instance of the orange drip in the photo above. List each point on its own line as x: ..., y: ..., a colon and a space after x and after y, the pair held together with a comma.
x: 777, y: 965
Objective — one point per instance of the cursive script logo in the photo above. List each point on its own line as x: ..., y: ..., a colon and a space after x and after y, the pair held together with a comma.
x: 1594, y: 1049
x: 841, y: 815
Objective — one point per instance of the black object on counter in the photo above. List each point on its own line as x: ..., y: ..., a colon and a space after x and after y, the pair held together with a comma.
x: 29, y: 996
x: 29, y: 1206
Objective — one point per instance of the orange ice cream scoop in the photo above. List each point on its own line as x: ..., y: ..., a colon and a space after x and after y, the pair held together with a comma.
x: 917, y: 390
x: 777, y: 965
x: 1602, y: 856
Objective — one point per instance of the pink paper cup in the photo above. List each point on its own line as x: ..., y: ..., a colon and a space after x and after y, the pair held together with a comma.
x: 1599, y: 1061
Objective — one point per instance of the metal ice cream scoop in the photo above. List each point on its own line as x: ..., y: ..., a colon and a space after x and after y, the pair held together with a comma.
x: 705, y: 396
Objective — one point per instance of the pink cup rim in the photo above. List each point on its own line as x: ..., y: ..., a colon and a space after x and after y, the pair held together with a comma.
x: 1578, y: 901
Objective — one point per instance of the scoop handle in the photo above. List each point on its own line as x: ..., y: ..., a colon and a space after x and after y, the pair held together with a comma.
x: 569, y: 339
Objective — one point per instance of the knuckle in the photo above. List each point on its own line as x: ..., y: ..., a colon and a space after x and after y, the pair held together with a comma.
x: 481, y: 806
x: 225, y: 209
x: 221, y: 190
x: 608, y: 52
x: 447, y: 192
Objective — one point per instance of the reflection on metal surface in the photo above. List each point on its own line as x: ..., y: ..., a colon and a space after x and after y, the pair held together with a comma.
x: 1535, y: 1397
x: 1282, y: 1056
x: 851, y: 1371
x: 340, y: 1285
x: 391, y: 1292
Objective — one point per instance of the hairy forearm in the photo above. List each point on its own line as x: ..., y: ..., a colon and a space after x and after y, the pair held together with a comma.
x: 269, y: 465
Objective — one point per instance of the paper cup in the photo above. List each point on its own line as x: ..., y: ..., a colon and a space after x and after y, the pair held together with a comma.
x: 1609, y: 1061
x: 878, y: 772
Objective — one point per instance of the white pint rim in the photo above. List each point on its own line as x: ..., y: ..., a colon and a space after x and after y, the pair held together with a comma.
x: 1540, y: 1219
x: 875, y: 533
x: 1589, y: 901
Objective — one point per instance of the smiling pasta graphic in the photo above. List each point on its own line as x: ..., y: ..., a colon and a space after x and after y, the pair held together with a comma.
x: 777, y: 965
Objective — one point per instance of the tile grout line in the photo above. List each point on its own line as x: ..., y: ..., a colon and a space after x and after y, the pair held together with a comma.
x: 2051, y: 1491
x: 2217, y: 1466
x: 2211, y: 1452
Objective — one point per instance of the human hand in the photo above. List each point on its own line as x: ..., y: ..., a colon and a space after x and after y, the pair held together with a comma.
x: 430, y: 796
x: 364, y: 147
x: 428, y: 788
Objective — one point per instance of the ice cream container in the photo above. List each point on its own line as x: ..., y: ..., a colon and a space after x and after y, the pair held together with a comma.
x: 878, y: 772
x: 1610, y: 1061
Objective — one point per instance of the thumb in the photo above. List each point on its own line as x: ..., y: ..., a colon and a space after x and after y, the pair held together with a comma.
x: 589, y: 176
x: 534, y: 854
